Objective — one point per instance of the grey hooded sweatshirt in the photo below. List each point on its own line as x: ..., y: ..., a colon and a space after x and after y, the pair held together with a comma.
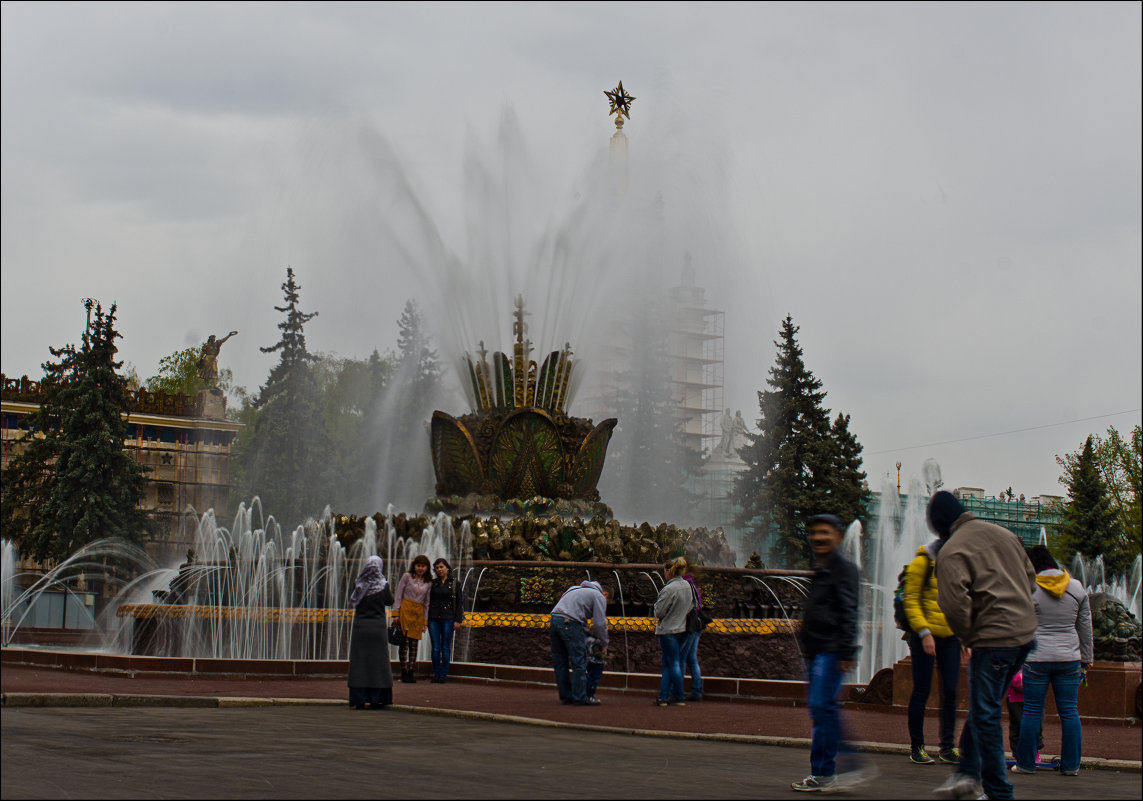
x: 1064, y: 615
x: 672, y: 605
x: 583, y: 602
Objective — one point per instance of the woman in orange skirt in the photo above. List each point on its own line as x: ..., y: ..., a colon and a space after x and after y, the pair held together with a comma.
x: 411, y: 606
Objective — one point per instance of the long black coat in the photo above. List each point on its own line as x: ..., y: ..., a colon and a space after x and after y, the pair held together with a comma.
x: 369, y: 664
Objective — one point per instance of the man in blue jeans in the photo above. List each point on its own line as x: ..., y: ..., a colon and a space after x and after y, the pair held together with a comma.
x: 569, y: 646
x: 829, y: 645
x: 984, y: 586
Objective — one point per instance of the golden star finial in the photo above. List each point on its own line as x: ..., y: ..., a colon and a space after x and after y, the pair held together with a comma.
x: 620, y: 104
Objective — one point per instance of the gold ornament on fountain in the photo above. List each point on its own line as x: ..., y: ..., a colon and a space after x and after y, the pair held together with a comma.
x: 620, y: 104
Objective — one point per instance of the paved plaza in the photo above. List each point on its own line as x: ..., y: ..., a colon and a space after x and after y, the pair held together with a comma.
x: 327, y: 751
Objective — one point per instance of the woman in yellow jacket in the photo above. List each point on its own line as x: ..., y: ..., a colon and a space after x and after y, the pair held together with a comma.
x: 931, y: 640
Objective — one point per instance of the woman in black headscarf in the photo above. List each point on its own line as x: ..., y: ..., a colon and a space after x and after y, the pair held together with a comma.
x: 370, y: 673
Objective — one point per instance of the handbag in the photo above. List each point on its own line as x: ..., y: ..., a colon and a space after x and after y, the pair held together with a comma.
x: 396, y: 636
x: 697, y: 620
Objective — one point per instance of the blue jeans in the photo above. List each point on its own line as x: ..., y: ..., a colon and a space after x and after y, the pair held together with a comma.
x: 671, y: 683
x: 947, y: 660
x: 440, y: 634
x: 990, y: 671
x: 690, y: 663
x: 569, y: 653
x: 594, y: 674
x: 1064, y: 678
x: 823, y: 683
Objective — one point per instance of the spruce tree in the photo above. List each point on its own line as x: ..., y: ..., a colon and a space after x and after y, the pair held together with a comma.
x: 72, y: 482
x: 287, y: 461
x: 797, y: 463
x: 1090, y: 524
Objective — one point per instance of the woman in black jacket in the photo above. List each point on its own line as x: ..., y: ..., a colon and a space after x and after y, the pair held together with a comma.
x: 445, y: 616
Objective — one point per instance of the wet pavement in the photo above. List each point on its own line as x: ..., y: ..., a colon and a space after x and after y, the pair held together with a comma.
x: 94, y: 735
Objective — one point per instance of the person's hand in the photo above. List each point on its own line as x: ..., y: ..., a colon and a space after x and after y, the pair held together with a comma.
x: 965, y: 653
x: 455, y: 625
x: 424, y: 627
x: 847, y: 665
x: 929, y: 645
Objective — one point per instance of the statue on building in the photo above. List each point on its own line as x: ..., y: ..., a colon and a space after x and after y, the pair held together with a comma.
x: 739, y: 432
x: 208, y: 360
x: 726, y: 425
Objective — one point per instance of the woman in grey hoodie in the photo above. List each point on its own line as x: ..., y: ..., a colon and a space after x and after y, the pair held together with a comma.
x: 1063, y: 648
x: 671, y: 608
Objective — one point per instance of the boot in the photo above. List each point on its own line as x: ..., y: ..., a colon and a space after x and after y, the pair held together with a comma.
x: 412, y: 677
x: 406, y: 676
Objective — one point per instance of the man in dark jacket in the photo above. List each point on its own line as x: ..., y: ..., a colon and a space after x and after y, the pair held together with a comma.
x: 829, y: 646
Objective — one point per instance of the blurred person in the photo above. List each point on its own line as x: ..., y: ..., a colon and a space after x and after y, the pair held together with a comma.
x: 829, y: 646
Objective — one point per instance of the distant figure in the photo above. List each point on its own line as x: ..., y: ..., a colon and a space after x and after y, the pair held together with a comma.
x: 1063, y: 650
x: 931, y: 641
x: 984, y: 587
x: 671, y: 607
x: 726, y: 425
x: 445, y: 617
x: 370, y: 674
x: 690, y: 644
x: 412, y: 610
x: 208, y: 361
x: 596, y: 657
x: 586, y: 600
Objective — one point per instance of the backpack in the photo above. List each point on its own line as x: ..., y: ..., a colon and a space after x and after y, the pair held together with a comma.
x: 899, y: 616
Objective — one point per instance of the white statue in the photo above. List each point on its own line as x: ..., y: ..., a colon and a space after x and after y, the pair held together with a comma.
x: 726, y: 424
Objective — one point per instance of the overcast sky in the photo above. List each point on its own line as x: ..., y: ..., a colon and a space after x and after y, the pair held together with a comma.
x: 945, y: 197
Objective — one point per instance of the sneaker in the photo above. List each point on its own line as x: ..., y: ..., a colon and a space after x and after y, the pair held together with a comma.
x: 1069, y: 772
x: 587, y: 702
x: 676, y: 702
x: 693, y: 697
x: 1017, y: 769
x: 660, y: 702
x: 959, y: 785
x: 920, y: 756
x: 817, y: 784
x: 949, y: 755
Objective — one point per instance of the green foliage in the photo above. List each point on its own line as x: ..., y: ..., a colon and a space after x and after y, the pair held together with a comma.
x: 72, y: 482
x: 178, y: 374
x: 287, y: 456
x: 1101, y: 515
x: 798, y: 464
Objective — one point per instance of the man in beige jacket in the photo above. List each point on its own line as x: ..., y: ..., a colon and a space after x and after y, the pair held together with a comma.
x: 985, y: 583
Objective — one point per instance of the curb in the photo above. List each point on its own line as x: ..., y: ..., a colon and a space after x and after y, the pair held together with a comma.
x: 93, y: 700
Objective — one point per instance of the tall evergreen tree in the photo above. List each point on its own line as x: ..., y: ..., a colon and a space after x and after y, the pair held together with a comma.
x: 72, y: 482
x: 797, y: 463
x: 287, y: 460
x: 1090, y: 524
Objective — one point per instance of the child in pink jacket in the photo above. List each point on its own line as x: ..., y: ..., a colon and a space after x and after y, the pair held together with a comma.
x: 1016, y: 712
